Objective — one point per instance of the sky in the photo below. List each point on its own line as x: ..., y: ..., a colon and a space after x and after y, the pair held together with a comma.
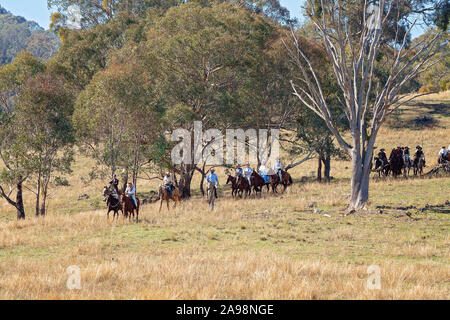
x: 36, y: 10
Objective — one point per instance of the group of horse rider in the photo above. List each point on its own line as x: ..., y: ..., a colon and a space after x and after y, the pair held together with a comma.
x: 404, y: 154
x: 246, y: 173
x: 211, y: 178
x: 401, y: 153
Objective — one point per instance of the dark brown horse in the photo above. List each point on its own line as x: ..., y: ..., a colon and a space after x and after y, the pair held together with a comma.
x: 243, y: 186
x: 165, y: 195
x: 234, y: 186
x: 286, y: 180
x: 112, y: 201
x: 396, y: 162
x: 258, y: 182
x: 128, y: 207
x: 239, y: 186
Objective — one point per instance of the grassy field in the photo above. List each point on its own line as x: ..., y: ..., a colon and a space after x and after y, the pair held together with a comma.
x: 299, y: 245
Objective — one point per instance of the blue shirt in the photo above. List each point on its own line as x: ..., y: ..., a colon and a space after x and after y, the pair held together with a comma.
x: 212, y: 177
x: 239, y: 171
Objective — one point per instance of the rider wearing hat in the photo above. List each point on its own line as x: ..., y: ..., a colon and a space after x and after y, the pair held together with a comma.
x: 115, y: 183
x: 419, y: 154
x: 383, y: 157
x: 214, y: 180
x: 407, y: 154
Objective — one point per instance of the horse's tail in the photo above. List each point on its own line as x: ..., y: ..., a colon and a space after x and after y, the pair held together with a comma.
x: 290, y: 179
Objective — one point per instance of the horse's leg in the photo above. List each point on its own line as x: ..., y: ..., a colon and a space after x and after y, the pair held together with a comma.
x: 167, y: 201
x: 160, y: 203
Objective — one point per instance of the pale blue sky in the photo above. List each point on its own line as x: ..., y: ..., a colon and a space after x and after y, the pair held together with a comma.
x: 37, y: 10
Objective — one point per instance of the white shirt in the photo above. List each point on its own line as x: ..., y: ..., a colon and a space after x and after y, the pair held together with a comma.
x: 168, y: 180
x: 443, y: 152
x: 263, y: 170
x: 130, y: 191
x: 277, y: 166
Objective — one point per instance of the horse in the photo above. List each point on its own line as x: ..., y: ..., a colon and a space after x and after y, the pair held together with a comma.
x: 234, y: 186
x: 112, y: 201
x: 286, y: 180
x: 258, y: 182
x: 395, y: 163
x: 164, y: 195
x: 418, y: 165
x: 243, y: 187
x: 380, y: 168
x: 128, y: 206
x: 407, y: 164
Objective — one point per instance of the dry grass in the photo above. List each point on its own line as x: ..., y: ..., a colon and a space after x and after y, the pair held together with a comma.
x: 275, y: 247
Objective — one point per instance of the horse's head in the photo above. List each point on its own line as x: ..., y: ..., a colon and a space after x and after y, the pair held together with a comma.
x: 106, y: 191
x: 230, y: 179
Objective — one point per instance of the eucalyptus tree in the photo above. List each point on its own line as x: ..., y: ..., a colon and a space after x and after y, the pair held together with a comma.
x: 16, y: 165
x: 117, y: 116
x: 44, y: 115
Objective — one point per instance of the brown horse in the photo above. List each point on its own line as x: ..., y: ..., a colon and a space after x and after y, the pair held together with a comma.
x: 128, y: 207
x: 234, y: 186
x: 258, y: 182
x: 243, y: 186
x: 164, y: 195
x: 286, y: 180
x: 112, y: 201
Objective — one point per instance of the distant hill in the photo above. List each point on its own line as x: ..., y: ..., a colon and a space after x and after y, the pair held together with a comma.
x: 17, y: 33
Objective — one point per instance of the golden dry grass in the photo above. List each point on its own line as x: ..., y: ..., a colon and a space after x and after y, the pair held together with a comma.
x: 275, y: 247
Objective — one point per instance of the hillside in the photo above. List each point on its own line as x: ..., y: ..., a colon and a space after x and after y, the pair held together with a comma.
x: 17, y: 33
x: 298, y: 245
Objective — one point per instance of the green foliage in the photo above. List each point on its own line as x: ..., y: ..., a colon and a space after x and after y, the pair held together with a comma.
x: 437, y: 77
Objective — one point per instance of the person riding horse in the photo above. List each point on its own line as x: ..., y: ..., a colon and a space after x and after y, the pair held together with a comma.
x: 419, y: 155
x: 238, y: 172
x: 263, y: 173
x: 278, y: 166
x: 248, y: 174
x: 130, y: 192
x: 383, y: 157
x: 115, y: 183
x: 214, y: 180
x: 407, y: 154
x: 168, y: 183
